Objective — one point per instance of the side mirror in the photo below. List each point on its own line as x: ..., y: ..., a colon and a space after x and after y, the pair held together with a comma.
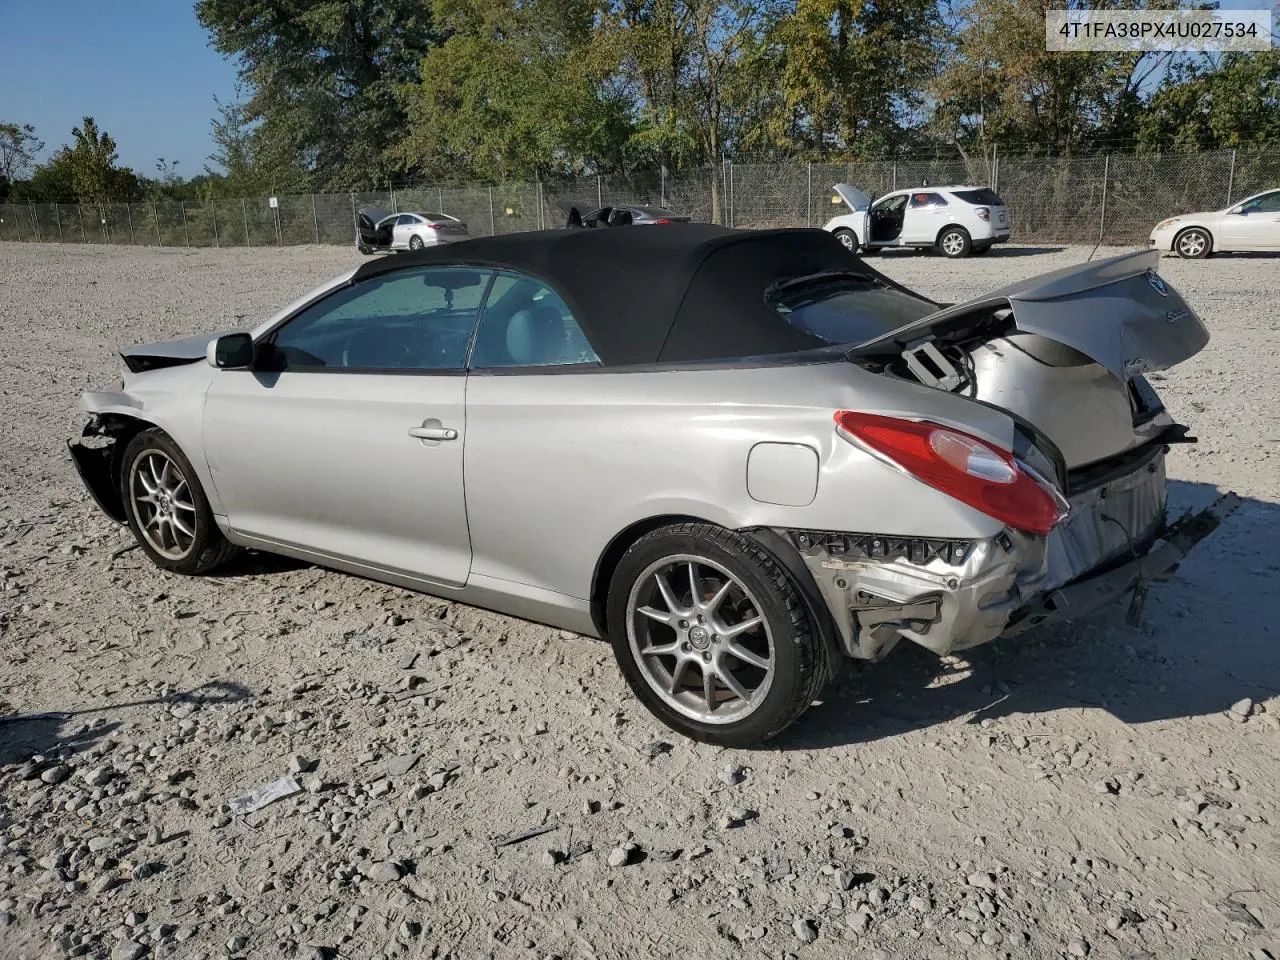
x: 1239, y: 210
x: 231, y: 351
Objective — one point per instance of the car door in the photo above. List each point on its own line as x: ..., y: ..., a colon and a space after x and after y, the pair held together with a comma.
x: 1253, y: 225
x: 885, y: 218
x: 402, y: 231
x: 522, y: 395
x: 926, y: 214
x: 345, y: 440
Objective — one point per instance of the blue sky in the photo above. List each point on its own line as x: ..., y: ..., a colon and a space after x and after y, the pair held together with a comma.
x: 142, y: 68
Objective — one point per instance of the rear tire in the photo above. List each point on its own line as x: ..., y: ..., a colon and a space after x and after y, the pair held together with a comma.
x: 848, y: 238
x: 166, y: 507
x: 744, y: 630
x: 415, y: 242
x: 954, y: 243
x: 1193, y: 244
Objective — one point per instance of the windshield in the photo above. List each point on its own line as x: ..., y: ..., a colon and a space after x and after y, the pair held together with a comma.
x: 842, y: 308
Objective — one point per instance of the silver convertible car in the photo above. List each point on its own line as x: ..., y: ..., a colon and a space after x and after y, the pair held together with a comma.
x: 740, y: 455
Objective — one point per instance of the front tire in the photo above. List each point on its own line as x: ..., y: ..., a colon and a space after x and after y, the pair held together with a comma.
x: 848, y: 238
x: 1193, y: 244
x: 954, y: 243
x: 415, y: 242
x: 712, y: 635
x: 166, y: 506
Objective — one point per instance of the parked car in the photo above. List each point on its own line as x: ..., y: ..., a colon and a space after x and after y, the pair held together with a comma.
x: 378, y: 230
x: 1251, y: 224
x: 620, y: 216
x: 955, y: 221
x: 804, y: 462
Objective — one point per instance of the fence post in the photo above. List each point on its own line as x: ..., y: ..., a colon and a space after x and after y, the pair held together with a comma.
x: 155, y: 212
x: 440, y: 199
x: 315, y: 218
x: 355, y: 219
x: 599, y: 193
x: 275, y: 215
x: 539, y: 193
x: 213, y: 211
x: 808, y: 198
x: 128, y: 209
x: 58, y: 220
x: 17, y: 221
x: 35, y: 221
x: 106, y: 227
x: 493, y: 228
x: 186, y: 234
x: 394, y: 208
x: 662, y: 189
x: 244, y: 209
x: 1106, y: 175
x: 80, y: 217
x: 732, y: 218
x: 1231, y: 178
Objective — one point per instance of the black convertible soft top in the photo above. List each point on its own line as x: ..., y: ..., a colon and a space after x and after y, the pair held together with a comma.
x: 661, y: 294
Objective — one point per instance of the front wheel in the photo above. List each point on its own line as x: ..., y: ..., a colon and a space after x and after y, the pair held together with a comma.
x: 712, y: 635
x: 1193, y: 244
x: 848, y: 238
x: 166, y: 506
x: 954, y: 242
x: 415, y: 242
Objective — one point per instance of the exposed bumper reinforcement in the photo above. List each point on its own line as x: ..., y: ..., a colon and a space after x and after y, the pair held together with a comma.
x: 1087, y: 594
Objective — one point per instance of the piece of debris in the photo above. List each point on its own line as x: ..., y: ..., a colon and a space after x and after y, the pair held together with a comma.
x: 522, y: 837
x: 398, y: 766
x: 267, y: 793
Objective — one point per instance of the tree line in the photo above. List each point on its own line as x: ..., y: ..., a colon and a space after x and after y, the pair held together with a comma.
x: 342, y: 94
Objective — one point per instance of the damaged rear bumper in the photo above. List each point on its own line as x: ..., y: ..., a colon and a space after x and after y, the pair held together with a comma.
x: 950, y: 595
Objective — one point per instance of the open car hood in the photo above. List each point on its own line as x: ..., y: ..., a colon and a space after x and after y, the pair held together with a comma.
x: 1118, y: 312
x: 855, y: 198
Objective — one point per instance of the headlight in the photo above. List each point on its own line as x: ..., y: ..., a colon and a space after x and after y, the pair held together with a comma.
x: 1167, y: 223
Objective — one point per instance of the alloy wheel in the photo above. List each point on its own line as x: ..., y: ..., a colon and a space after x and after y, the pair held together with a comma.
x: 700, y: 639
x: 162, y: 504
x: 1192, y: 244
x: 953, y: 244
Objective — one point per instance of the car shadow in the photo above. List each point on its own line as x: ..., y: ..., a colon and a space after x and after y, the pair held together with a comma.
x: 1209, y: 637
x: 23, y: 736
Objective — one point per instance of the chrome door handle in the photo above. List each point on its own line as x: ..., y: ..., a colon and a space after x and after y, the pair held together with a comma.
x: 436, y: 432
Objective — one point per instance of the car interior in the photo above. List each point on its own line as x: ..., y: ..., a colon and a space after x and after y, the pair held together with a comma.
x: 886, y: 218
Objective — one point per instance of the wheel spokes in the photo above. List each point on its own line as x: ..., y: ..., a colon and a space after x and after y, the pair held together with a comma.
x: 746, y: 656
x: 733, y: 683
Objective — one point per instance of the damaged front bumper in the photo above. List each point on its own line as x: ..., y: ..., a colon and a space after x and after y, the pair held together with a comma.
x: 950, y: 595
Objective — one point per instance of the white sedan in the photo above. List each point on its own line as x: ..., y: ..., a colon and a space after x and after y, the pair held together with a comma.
x: 1251, y: 224
x: 377, y: 230
x: 955, y: 221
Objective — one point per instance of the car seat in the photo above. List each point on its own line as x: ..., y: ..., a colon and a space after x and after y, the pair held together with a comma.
x: 535, y: 336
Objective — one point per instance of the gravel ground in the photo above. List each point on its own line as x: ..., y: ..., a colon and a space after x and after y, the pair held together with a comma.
x: 1086, y: 791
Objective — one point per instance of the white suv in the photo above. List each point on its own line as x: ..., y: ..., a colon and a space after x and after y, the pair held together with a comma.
x: 955, y: 221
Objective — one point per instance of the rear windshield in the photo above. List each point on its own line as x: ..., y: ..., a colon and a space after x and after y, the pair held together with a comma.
x: 844, y: 308
x: 983, y: 197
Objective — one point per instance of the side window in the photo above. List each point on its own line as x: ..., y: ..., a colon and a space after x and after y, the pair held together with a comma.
x: 927, y: 200
x: 890, y: 204
x: 1268, y: 203
x: 406, y: 219
x: 526, y: 324
x: 418, y: 319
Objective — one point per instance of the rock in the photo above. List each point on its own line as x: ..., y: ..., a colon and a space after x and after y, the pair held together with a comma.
x: 804, y: 930
x: 920, y: 904
x: 965, y: 938
x: 97, y: 776
x: 731, y: 774
x: 1078, y: 947
x: 1105, y: 786
x: 983, y: 881
x: 387, y: 871
x: 991, y: 937
x: 236, y: 944
x: 1242, y: 708
x: 56, y: 774
x: 408, y: 660
x: 300, y: 764
x: 859, y: 921
x: 128, y: 950
x: 399, y: 766
x: 104, y: 883
x: 618, y: 857
x: 551, y: 857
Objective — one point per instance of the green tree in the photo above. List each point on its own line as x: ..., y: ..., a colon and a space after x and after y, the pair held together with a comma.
x: 326, y: 78
x: 1210, y: 104
x: 1001, y: 86
x: 18, y: 148
x: 518, y: 90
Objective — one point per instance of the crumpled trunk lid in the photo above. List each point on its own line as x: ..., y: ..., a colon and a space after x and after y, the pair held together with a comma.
x: 1118, y: 312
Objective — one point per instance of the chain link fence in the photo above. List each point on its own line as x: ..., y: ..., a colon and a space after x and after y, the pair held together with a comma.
x: 1113, y: 199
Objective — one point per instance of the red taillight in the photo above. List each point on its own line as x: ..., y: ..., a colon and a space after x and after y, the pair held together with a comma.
x: 962, y: 466
x: 983, y: 212
x: 663, y: 220
x: 432, y: 226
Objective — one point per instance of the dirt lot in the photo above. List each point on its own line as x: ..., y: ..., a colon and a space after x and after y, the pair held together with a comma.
x: 1080, y: 792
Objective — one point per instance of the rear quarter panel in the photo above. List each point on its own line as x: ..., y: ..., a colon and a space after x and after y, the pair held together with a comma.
x: 558, y: 464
